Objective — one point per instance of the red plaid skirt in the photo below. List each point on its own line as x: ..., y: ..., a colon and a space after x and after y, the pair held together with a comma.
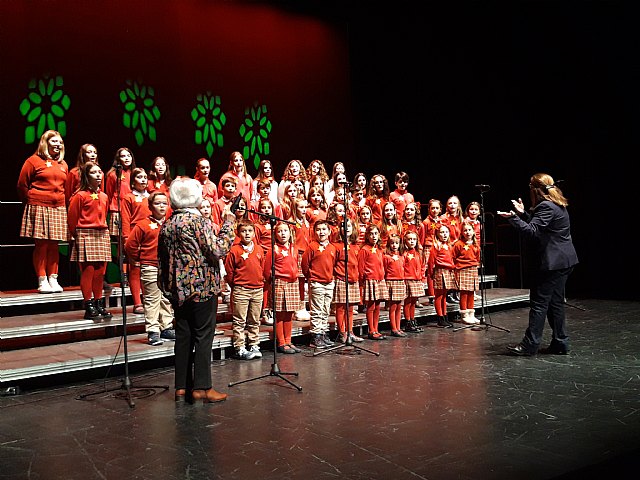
x: 287, y: 296
x: 415, y: 288
x: 373, y: 290
x: 467, y: 279
x: 91, y: 245
x: 397, y: 290
x: 44, y: 223
x: 444, y: 279
x: 340, y: 292
x: 114, y: 218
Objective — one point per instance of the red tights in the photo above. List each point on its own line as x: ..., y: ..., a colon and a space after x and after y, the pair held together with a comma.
x: 45, y: 257
x: 440, y: 302
x: 135, y: 284
x: 395, y: 315
x: 91, y: 278
x: 341, y: 318
x: 466, y: 300
x: 410, y: 308
x: 283, y: 328
x: 373, y: 315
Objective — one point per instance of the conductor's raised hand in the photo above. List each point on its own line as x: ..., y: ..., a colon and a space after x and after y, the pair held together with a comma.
x: 518, y: 205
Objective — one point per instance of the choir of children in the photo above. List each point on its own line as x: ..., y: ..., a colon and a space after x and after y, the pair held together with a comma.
x: 393, y: 255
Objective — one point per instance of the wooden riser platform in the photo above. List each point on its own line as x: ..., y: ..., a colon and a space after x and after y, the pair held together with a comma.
x: 68, y: 357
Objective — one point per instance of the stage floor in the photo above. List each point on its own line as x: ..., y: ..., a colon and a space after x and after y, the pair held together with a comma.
x: 435, y: 405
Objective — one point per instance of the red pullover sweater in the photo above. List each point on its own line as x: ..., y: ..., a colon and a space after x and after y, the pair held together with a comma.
x: 393, y: 266
x: 87, y: 210
x: 142, y: 244
x: 318, y: 262
x: 412, y: 265
x: 286, y: 263
x: 111, y: 186
x: 42, y: 182
x: 465, y: 255
x: 133, y: 209
x: 440, y: 257
x: 352, y: 264
x: 370, y: 263
x: 245, y: 268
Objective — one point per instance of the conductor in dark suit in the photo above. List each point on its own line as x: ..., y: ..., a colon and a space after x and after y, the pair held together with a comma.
x: 549, y: 229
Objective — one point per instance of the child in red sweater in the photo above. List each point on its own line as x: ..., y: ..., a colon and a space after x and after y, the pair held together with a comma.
x: 400, y: 196
x: 301, y: 242
x: 244, y: 266
x: 287, y: 300
x: 351, y: 282
x: 142, y: 250
x: 466, y: 257
x: 394, y: 278
x: 431, y: 224
x: 371, y: 277
x: 413, y: 273
x: 441, y: 269
x: 44, y: 219
x: 318, y: 263
x: 87, y: 219
x: 135, y: 207
x: 118, y: 176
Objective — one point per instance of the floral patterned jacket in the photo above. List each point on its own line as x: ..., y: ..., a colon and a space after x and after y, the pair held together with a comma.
x: 188, y: 256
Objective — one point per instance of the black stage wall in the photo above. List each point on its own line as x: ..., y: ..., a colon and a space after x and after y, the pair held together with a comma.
x: 467, y: 94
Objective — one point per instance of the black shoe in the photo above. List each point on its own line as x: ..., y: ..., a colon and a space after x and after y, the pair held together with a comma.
x: 520, y: 350
x: 555, y: 349
x: 318, y: 342
x: 410, y: 327
x: 327, y: 340
x: 443, y: 322
x: 451, y: 298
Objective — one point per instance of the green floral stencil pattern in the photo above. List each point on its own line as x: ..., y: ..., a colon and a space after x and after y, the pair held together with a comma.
x: 44, y: 107
x: 255, y: 131
x: 140, y: 111
x: 209, y: 119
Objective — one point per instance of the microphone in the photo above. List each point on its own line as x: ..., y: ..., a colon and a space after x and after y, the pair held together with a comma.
x: 345, y: 183
x: 118, y: 167
x: 483, y: 186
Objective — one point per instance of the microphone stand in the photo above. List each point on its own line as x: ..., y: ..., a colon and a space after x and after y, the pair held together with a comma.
x: 348, y: 320
x: 275, y: 369
x: 126, y: 381
x: 483, y: 324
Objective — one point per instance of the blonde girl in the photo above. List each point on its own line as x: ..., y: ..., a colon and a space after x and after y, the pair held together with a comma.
x: 466, y: 257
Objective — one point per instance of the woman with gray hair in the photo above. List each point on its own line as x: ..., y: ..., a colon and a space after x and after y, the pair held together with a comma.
x: 189, y: 276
